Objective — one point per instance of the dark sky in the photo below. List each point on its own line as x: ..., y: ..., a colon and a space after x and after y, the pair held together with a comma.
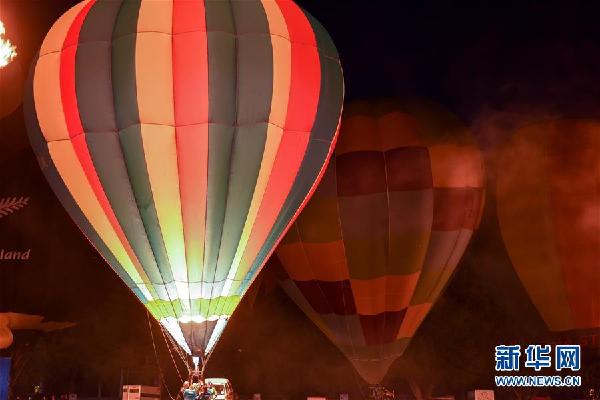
x: 494, y: 64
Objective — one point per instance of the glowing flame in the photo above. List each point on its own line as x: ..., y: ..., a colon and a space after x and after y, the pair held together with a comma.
x: 7, y: 51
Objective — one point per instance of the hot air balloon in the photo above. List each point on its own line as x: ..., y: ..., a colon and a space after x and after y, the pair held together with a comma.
x: 548, y: 202
x: 383, y: 234
x: 183, y: 137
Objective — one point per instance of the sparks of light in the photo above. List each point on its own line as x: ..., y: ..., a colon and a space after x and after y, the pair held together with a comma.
x: 7, y: 51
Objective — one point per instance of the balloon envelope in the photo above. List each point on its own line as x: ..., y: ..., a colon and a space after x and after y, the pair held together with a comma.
x: 382, y: 235
x: 182, y: 137
x: 548, y: 202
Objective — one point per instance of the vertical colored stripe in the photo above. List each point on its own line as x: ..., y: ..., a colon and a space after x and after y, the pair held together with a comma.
x: 190, y: 93
x: 153, y: 63
x: 46, y: 80
x: 67, y: 76
x: 222, y: 92
x: 123, y: 65
x: 161, y: 163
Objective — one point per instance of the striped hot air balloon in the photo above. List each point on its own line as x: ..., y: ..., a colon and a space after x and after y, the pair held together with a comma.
x: 183, y: 136
x: 548, y: 200
x: 382, y: 235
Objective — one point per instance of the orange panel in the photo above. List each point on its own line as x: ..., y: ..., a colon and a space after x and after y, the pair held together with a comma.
x: 295, y: 261
x: 46, y: 91
x: 354, y: 138
x: 456, y: 166
x: 327, y: 260
x: 397, y: 129
x: 388, y: 293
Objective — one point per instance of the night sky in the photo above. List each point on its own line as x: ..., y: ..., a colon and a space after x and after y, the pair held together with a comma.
x: 495, y: 65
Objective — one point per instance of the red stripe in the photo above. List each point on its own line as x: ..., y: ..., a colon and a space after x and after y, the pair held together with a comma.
x: 190, y: 62
x: 73, y: 121
x: 306, y: 69
x: 190, y: 91
x: 67, y: 73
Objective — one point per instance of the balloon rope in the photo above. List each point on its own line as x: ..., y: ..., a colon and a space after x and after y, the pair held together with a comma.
x: 172, y: 358
x: 177, y: 348
x: 160, y: 371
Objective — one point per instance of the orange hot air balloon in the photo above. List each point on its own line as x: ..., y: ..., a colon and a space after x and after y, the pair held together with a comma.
x: 548, y: 200
x: 384, y: 232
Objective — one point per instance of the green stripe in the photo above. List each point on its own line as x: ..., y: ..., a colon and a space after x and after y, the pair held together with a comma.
x: 131, y: 142
x: 123, y: 64
x: 254, y: 91
x: 221, y: 132
x: 210, y: 307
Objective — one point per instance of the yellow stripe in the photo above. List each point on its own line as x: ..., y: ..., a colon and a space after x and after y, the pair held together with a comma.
x: 282, y: 55
x: 160, y: 150
x: 153, y: 63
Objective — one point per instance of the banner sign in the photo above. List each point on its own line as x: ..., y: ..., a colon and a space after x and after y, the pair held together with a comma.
x: 4, y: 377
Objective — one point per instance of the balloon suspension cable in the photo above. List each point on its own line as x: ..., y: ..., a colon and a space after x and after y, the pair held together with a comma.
x: 173, y: 359
x: 160, y: 371
x: 178, y: 350
x: 199, y: 366
x: 204, y: 362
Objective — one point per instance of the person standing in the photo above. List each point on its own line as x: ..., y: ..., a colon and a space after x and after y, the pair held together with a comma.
x: 188, y: 391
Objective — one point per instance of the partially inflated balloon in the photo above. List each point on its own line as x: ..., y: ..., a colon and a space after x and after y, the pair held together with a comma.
x: 183, y: 137
x: 548, y: 204
x: 382, y: 235
x: 6, y: 335
x: 11, y: 321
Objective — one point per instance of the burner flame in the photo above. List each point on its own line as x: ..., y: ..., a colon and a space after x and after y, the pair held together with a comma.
x: 7, y: 50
